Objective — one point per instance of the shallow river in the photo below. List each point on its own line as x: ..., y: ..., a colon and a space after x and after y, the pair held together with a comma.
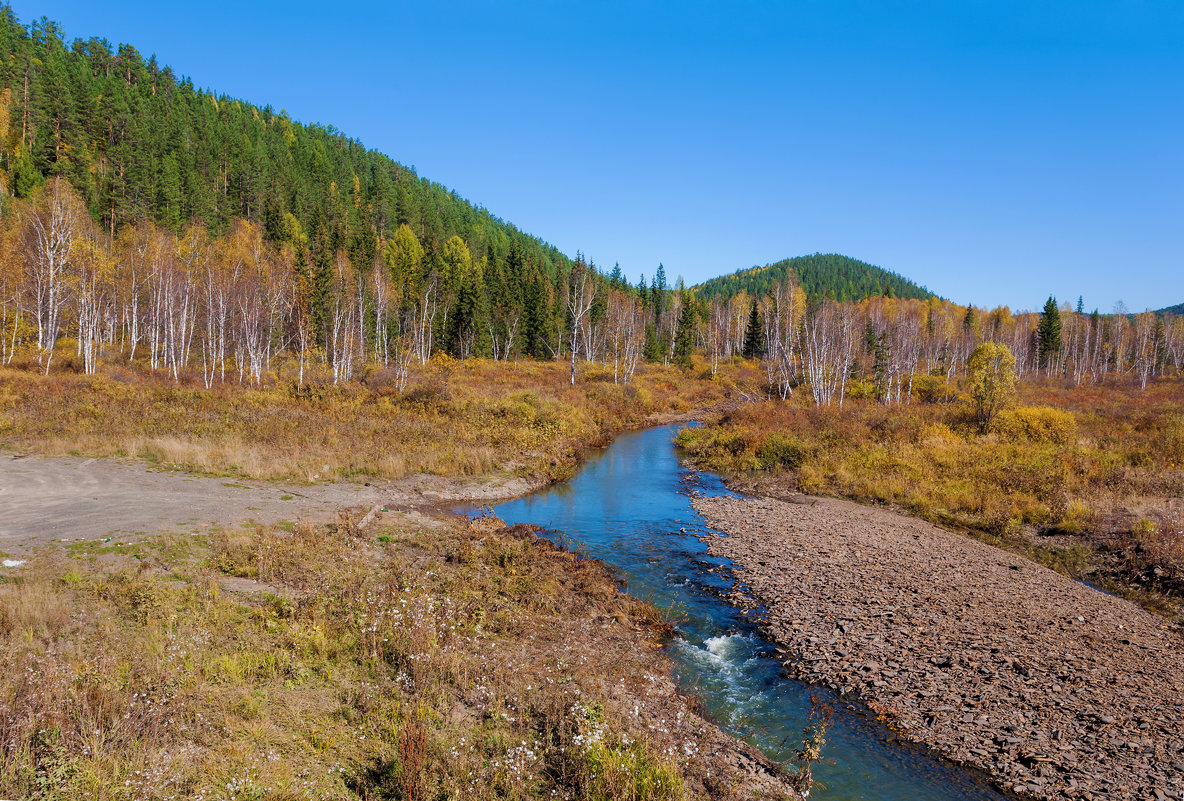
x: 629, y: 505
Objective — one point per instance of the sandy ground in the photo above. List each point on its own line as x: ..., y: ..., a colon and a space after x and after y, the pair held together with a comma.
x: 1054, y: 688
x: 54, y: 499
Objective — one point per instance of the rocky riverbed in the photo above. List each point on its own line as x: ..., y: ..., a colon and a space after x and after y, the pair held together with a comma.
x: 1055, y: 689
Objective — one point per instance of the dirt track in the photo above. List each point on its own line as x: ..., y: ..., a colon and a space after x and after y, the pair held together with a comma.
x: 1058, y: 690
x: 52, y: 499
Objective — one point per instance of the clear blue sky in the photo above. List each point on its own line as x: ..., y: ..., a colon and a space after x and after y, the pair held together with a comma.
x: 993, y: 151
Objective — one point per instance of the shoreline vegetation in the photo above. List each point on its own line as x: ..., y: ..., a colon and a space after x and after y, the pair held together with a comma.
x: 1086, y: 481
x: 453, y: 418
x: 458, y: 661
x: 411, y: 660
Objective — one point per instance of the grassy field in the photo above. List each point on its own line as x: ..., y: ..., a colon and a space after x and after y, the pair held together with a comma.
x: 455, y: 418
x: 466, y: 663
x: 1084, y: 479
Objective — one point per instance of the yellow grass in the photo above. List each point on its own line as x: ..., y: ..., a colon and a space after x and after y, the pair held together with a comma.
x: 1092, y: 461
x: 457, y: 665
x: 458, y: 418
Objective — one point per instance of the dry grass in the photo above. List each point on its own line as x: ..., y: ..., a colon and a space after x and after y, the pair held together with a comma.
x: 456, y: 418
x: 1098, y: 467
x: 476, y: 664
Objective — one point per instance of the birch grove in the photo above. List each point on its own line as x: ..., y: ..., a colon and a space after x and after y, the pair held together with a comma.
x: 223, y: 308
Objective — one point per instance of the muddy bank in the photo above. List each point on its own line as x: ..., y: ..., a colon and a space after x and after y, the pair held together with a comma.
x: 1055, y: 689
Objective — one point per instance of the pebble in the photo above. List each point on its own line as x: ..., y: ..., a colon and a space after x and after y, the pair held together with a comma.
x: 1021, y: 673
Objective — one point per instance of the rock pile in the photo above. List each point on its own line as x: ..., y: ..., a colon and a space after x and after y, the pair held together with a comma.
x: 1055, y: 689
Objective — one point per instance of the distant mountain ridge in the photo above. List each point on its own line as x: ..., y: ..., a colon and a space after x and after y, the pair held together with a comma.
x: 820, y: 275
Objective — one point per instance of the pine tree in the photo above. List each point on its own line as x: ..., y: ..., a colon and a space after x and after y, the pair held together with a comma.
x: 616, y: 280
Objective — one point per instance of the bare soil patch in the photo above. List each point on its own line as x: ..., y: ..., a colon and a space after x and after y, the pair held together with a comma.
x: 66, y: 499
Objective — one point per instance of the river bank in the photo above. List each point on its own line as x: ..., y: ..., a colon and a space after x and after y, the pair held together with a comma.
x: 1051, y: 687
x: 416, y: 657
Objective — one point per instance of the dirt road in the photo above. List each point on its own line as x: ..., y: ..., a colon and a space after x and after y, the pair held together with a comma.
x: 53, y: 499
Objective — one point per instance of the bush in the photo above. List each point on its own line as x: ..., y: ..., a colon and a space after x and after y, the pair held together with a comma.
x: 857, y: 388
x: 1036, y: 424
x: 990, y: 372
x: 780, y: 450
x: 931, y: 388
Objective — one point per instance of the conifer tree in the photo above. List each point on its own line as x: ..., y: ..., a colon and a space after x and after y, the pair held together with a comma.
x: 1048, y: 332
x: 754, y: 335
x: 684, y: 338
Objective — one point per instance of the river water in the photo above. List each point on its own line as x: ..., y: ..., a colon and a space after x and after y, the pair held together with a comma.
x: 629, y: 506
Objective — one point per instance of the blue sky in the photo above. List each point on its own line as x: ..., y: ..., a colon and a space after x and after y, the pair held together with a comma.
x: 996, y: 152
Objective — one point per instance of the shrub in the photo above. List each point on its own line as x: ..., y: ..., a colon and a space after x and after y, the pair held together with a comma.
x: 857, y: 388
x: 990, y: 371
x: 1036, y: 424
x: 931, y: 388
x: 783, y: 451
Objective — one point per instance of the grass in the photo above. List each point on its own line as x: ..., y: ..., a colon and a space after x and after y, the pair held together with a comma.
x: 456, y: 418
x: 1085, y: 480
x: 476, y: 664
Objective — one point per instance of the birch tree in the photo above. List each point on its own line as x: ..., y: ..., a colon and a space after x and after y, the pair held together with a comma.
x: 50, y: 228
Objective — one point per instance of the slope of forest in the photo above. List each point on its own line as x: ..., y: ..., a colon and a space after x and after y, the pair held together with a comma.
x: 822, y: 274
x: 1177, y: 309
x: 138, y: 143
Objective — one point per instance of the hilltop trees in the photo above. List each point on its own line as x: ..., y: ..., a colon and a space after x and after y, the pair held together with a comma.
x: 820, y: 275
x: 139, y: 144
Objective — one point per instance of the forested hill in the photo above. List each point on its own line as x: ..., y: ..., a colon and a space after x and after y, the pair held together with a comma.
x: 820, y: 275
x: 1178, y: 309
x: 137, y: 143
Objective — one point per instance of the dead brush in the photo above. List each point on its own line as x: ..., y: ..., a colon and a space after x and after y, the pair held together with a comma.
x: 810, y: 752
x: 413, y: 757
x: 1159, y: 541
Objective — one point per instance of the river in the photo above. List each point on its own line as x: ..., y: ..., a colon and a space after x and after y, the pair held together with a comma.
x: 629, y: 506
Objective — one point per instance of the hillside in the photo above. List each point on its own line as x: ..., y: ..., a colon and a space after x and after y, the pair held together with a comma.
x: 1177, y: 309
x: 139, y: 143
x: 822, y: 274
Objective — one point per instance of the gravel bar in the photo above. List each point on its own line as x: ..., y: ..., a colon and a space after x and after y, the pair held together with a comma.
x: 1053, y: 688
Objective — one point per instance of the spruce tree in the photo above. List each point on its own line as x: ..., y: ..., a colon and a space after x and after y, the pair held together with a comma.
x: 1048, y: 332
x: 684, y: 338
x: 754, y: 336
x: 658, y: 293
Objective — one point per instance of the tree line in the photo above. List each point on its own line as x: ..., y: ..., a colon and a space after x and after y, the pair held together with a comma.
x: 896, y: 349
x: 228, y: 306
